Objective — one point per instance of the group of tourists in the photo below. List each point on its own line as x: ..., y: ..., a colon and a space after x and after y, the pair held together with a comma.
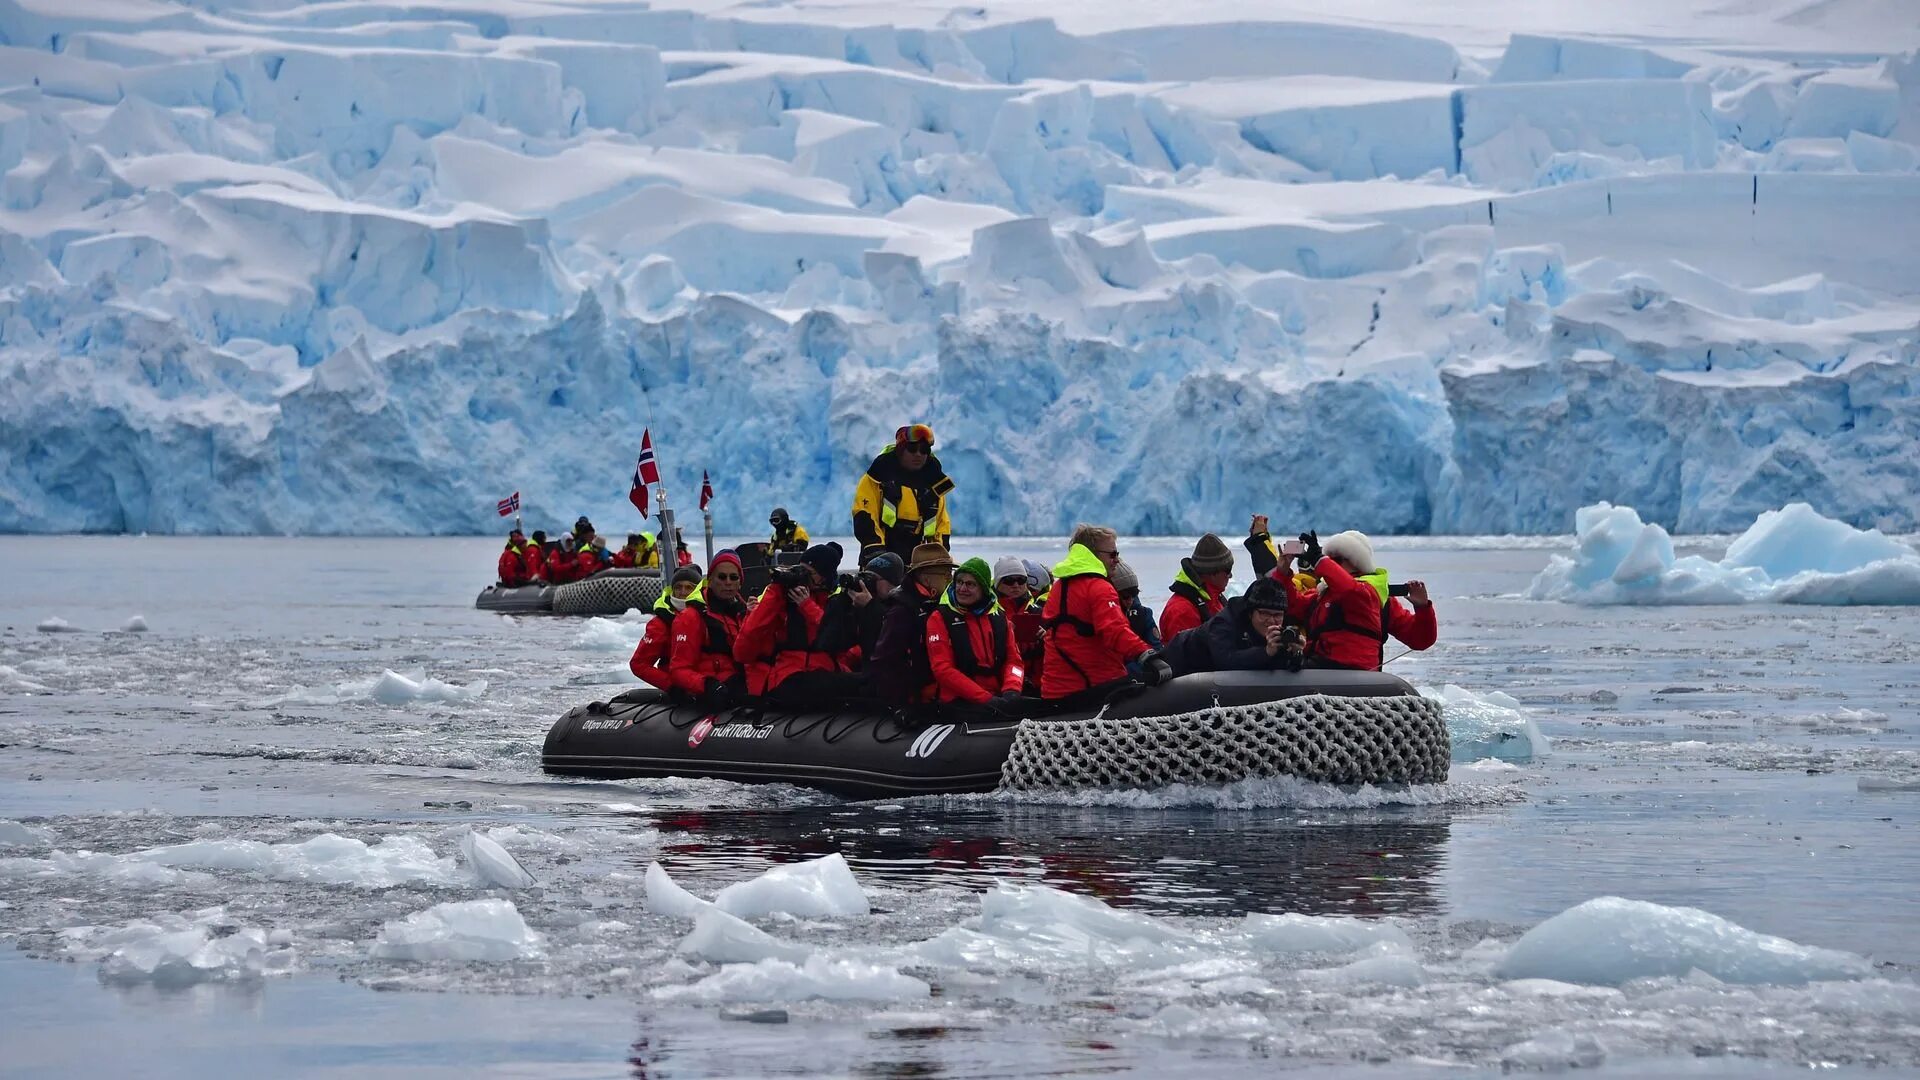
x: 533, y: 560
x: 909, y: 624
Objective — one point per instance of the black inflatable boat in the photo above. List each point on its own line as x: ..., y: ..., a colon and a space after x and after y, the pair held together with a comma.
x: 1342, y: 727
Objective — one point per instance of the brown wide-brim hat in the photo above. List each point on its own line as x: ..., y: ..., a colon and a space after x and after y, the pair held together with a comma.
x: 931, y: 557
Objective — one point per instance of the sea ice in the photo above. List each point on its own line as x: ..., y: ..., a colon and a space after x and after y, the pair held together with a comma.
x: 610, y: 635
x: 1609, y: 940
x: 729, y: 939
x: 134, y: 625
x: 493, y: 864
x: 490, y: 930
x: 666, y: 897
x: 12, y: 680
x: 172, y: 951
x: 776, y: 980
x: 389, y: 688
x: 1490, y: 725
x: 328, y: 859
x: 1555, y: 1051
x: 1291, y: 933
x: 817, y: 888
x: 15, y: 834
x: 54, y: 624
x: 1789, y: 556
x: 1386, y: 963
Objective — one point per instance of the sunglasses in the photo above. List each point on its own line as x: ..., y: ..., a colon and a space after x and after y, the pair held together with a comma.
x: 1113, y: 554
x: 916, y: 448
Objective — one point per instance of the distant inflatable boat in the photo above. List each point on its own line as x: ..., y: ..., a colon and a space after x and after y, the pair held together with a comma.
x: 1336, y: 727
x: 609, y: 592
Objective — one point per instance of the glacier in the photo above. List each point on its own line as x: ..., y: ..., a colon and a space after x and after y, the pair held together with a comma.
x: 365, y: 267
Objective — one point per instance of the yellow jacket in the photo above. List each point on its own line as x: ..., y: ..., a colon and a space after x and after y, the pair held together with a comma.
x: 887, y: 504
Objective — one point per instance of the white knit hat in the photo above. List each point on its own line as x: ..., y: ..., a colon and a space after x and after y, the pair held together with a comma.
x: 1352, y: 546
x: 1122, y: 576
x: 1008, y: 566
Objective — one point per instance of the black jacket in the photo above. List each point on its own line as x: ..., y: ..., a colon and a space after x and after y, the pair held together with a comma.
x: 1225, y: 642
x: 897, y: 669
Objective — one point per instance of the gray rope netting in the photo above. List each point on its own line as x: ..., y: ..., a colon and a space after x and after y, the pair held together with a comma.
x: 1334, y: 740
x: 609, y: 592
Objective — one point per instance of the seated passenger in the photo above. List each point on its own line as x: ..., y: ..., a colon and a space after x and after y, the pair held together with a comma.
x: 655, y: 651
x: 970, y: 645
x: 513, y: 571
x: 1354, y: 611
x: 1198, y: 588
x: 1139, y: 619
x: 850, y: 626
x: 898, y: 671
x: 781, y: 638
x: 702, y: 664
x: 788, y: 534
x: 537, y: 555
x: 595, y: 557
x: 1014, y: 589
x: 1088, y: 643
x: 563, y: 562
x: 1250, y: 634
x: 638, y: 553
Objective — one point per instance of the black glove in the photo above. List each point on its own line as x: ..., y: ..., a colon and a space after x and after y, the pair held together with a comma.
x: 1154, y: 669
x: 790, y: 577
x: 1310, y: 557
x: 719, y: 695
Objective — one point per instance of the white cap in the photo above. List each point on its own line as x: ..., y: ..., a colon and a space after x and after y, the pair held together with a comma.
x: 1008, y: 566
x: 1352, y: 546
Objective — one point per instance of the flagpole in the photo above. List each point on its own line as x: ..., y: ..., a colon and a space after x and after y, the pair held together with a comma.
x: 669, y: 537
x: 708, y: 514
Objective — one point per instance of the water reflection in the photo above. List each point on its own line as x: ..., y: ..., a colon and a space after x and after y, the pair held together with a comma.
x: 1173, y: 862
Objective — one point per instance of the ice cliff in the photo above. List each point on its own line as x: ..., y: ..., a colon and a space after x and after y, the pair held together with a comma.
x: 367, y: 267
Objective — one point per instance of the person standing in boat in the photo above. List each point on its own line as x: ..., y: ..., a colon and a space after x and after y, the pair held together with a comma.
x: 654, y: 654
x: 1088, y: 643
x: 898, y: 672
x: 901, y: 501
x: 1354, y: 608
x: 513, y: 571
x: 781, y: 638
x: 1199, y: 588
x: 702, y: 664
x: 1249, y: 634
x: 788, y: 534
x: 970, y: 646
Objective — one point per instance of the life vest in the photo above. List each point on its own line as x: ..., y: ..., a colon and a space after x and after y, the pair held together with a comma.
x: 960, y: 639
x: 1188, y: 591
x: 927, y: 494
x: 796, y: 639
x: 718, y: 639
x: 1333, y: 617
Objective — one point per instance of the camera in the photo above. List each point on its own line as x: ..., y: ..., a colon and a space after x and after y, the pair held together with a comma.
x: 1292, y: 547
x: 791, y: 577
x: 853, y: 583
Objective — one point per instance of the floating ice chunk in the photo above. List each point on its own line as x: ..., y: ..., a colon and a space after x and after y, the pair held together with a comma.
x: 389, y: 688
x: 490, y: 930
x: 1877, y: 783
x: 610, y: 635
x: 1790, y: 556
x: 666, y: 897
x: 15, y: 834
x: 1490, y: 725
x: 814, y: 889
x: 492, y: 864
x: 815, y: 977
x: 1554, y: 1051
x: 729, y: 939
x: 172, y: 958
x: 328, y: 859
x: 119, y: 870
x: 11, y: 679
x: 135, y: 625
x: 54, y: 624
x: 1292, y: 933
x: 1609, y: 940
x: 1182, y: 1021
x: 1387, y: 963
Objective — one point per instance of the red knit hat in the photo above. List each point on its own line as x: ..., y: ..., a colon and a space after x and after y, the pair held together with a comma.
x: 726, y: 556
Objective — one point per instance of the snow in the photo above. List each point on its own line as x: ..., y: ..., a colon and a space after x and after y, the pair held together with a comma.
x: 389, y: 688
x: 260, y: 263
x: 465, y: 930
x: 1794, y: 555
x: 1610, y: 940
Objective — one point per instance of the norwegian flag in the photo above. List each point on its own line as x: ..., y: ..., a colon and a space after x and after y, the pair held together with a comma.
x: 706, y: 491
x: 509, y: 505
x: 637, y: 495
x: 648, y: 472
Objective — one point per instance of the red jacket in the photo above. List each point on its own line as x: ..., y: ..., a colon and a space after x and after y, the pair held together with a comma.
x: 589, y: 563
x: 702, y: 646
x: 1088, y: 639
x: 623, y: 559
x: 1343, y: 622
x: 773, y: 645
x: 513, y: 568
x: 973, y: 654
x: 562, y: 566
x: 1188, y: 607
x: 654, y: 653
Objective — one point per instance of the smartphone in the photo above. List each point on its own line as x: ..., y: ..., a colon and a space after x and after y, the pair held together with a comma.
x: 1396, y: 590
x: 1292, y: 547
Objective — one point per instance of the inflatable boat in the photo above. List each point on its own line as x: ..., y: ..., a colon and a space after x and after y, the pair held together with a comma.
x: 1338, y: 727
x: 609, y: 592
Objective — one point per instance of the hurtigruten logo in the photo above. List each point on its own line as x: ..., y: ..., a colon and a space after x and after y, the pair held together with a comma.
x: 743, y: 731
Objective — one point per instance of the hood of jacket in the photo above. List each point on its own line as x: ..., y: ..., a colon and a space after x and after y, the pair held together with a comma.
x: 1079, y: 562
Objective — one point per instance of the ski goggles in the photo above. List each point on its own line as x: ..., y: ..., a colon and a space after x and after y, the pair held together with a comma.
x: 914, y: 437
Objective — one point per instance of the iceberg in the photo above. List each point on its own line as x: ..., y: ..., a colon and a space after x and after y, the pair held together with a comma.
x: 1609, y: 940
x: 466, y: 930
x: 1794, y: 555
x: 262, y: 261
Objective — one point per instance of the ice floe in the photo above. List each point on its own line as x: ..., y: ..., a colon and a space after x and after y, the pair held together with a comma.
x: 492, y: 863
x: 1789, y: 556
x: 1610, y: 940
x: 817, y: 888
x: 54, y: 624
x: 1489, y: 725
x: 473, y: 930
x: 172, y: 951
x: 814, y: 977
x: 388, y: 688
